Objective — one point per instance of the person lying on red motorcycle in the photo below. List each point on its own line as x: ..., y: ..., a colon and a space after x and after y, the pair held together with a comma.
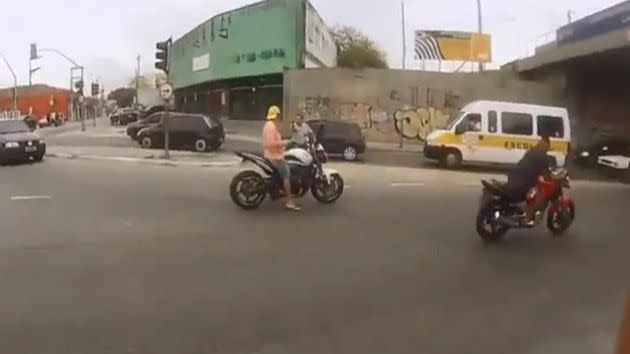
x: 524, y: 176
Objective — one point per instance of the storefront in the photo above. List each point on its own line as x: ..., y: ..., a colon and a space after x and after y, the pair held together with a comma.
x: 232, y: 65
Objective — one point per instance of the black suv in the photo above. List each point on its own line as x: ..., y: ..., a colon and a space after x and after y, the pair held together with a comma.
x: 124, y: 116
x: 153, y: 109
x: 186, y: 131
x: 134, y: 128
x: 339, y: 137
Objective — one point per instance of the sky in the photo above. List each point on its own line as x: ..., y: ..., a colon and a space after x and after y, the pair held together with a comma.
x: 107, y: 39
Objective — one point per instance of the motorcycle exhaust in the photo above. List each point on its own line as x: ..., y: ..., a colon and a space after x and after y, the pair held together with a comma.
x: 508, y: 221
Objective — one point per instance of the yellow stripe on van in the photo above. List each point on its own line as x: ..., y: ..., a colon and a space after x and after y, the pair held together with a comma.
x: 502, y: 141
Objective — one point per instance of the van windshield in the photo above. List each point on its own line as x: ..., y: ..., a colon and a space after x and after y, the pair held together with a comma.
x: 454, y: 119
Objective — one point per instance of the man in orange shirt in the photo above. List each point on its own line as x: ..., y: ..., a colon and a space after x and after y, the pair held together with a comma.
x: 274, y: 152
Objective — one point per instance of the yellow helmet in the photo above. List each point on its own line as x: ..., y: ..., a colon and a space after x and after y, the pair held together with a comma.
x: 273, y: 112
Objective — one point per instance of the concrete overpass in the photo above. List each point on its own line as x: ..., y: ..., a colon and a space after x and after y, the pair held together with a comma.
x: 590, y: 61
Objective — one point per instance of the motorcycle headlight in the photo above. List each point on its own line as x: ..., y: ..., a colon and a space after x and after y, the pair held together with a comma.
x: 531, y: 194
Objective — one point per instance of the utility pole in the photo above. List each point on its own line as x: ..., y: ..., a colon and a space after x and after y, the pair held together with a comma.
x: 569, y: 18
x: 479, y: 27
x: 137, y: 78
x: 15, y: 85
x: 404, y: 55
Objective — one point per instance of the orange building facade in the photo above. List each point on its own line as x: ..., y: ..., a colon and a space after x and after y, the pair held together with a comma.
x: 37, y: 100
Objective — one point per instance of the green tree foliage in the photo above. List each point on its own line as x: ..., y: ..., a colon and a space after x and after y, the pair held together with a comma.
x: 123, y: 96
x: 356, y: 50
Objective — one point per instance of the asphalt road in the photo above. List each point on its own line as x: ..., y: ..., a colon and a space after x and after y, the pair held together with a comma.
x: 108, y: 257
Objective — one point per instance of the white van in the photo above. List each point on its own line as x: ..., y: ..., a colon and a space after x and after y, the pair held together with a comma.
x: 494, y: 132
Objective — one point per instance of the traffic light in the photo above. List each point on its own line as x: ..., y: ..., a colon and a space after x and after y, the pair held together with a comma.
x: 162, y: 55
x: 79, y: 85
x: 95, y: 89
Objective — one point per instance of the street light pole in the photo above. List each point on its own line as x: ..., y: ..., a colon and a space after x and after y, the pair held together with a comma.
x: 479, y: 27
x: 137, y: 78
x: 15, y: 105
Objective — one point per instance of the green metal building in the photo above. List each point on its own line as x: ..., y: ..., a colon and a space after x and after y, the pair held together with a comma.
x: 232, y: 64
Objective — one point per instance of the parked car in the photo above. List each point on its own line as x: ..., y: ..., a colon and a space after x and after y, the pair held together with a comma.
x: 153, y: 109
x: 19, y: 143
x: 124, y: 116
x: 43, y: 122
x: 587, y: 155
x: 186, y: 131
x: 340, y: 138
x: 134, y: 128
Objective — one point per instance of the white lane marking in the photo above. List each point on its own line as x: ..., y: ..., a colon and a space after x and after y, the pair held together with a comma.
x: 406, y: 184
x: 468, y: 184
x: 347, y: 186
x: 31, y: 197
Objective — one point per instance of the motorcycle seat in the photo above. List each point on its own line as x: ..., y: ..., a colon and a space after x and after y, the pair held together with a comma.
x: 497, y: 188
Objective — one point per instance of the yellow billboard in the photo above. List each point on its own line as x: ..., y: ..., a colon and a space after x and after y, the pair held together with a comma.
x: 452, y: 45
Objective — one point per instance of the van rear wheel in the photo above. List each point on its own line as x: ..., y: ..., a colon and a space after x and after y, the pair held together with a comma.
x: 452, y: 159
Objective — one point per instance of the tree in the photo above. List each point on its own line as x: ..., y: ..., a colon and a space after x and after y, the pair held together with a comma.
x: 123, y: 96
x: 356, y: 50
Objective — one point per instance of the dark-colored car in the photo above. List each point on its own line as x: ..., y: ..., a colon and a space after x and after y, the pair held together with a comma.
x: 19, y: 143
x: 124, y: 116
x: 134, y: 128
x: 588, y: 154
x: 339, y: 137
x: 186, y: 131
x: 153, y: 109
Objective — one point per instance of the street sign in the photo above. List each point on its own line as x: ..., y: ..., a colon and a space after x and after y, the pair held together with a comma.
x: 166, y: 91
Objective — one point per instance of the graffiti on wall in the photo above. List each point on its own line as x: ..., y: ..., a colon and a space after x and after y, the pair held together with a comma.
x: 418, y: 122
x: 377, y: 123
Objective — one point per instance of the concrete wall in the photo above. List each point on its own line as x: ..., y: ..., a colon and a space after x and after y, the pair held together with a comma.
x: 388, y: 104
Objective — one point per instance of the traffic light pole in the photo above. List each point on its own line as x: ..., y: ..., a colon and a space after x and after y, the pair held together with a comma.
x: 166, y: 133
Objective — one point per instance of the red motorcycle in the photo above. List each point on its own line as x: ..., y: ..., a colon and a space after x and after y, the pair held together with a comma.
x: 499, y: 212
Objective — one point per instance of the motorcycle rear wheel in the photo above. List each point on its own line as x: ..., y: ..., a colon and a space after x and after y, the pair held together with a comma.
x: 487, y: 217
x: 250, y: 185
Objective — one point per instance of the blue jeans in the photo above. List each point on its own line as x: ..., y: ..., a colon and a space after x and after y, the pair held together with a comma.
x: 283, y: 169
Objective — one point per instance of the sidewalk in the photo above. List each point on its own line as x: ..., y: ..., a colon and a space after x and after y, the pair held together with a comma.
x: 137, y: 155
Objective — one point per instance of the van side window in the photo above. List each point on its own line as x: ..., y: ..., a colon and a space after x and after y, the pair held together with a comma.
x: 492, y: 122
x: 553, y: 126
x: 471, y: 123
x: 517, y: 123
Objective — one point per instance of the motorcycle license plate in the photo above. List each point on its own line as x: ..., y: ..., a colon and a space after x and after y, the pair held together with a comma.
x: 30, y: 148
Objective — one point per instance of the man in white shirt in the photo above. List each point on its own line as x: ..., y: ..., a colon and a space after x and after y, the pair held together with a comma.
x: 301, y: 131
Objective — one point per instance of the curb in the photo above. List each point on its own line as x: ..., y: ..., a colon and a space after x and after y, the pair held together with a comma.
x: 144, y: 161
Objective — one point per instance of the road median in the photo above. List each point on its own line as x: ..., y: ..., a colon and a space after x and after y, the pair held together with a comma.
x: 149, y: 157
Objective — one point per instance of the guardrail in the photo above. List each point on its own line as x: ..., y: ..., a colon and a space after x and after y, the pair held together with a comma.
x: 10, y: 114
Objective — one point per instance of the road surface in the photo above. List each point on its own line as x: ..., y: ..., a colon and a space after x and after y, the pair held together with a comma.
x: 111, y: 257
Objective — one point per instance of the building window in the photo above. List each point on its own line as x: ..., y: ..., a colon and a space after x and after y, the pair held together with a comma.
x: 552, y: 126
x: 517, y: 123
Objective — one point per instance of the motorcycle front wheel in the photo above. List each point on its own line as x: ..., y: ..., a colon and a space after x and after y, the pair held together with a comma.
x: 561, y: 219
x: 328, y: 192
x: 488, y: 226
x: 247, y: 190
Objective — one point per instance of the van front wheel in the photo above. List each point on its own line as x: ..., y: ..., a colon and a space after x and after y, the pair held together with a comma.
x: 451, y: 159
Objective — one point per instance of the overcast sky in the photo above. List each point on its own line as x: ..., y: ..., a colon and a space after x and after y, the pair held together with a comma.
x: 106, y: 40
